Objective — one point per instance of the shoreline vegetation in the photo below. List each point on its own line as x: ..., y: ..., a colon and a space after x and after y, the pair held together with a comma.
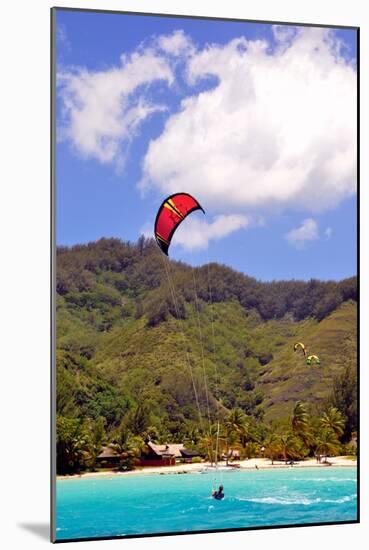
x: 253, y: 464
x: 236, y: 443
x: 148, y: 381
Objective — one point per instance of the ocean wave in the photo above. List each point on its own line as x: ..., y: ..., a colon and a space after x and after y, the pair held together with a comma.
x: 320, y: 479
x: 283, y: 501
x: 348, y: 498
x: 279, y: 500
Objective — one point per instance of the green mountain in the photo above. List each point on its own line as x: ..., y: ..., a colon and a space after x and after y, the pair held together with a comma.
x: 134, y: 330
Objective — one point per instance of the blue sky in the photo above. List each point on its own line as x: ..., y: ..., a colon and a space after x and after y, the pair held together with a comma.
x: 279, y: 193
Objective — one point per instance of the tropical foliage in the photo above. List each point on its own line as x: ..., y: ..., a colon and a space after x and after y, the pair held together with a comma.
x: 204, y: 356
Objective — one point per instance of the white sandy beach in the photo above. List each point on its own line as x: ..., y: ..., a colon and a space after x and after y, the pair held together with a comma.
x: 251, y: 464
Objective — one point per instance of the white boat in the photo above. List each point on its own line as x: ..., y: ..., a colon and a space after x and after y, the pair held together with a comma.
x: 215, y: 469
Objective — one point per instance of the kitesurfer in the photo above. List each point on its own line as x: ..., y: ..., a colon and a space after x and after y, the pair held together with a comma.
x: 218, y: 495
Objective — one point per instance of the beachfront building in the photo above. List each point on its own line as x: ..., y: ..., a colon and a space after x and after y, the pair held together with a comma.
x: 233, y: 454
x: 165, y: 455
x: 188, y: 455
x: 160, y: 455
x: 108, y: 458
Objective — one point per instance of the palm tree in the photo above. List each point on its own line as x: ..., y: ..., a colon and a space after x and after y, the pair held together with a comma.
x: 121, y: 440
x: 73, y: 441
x: 272, y: 447
x: 151, y: 434
x: 327, y: 444
x: 128, y: 446
x: 193, y: 436
x: 300, y: 424
x: 236, y: 421
x: 235, y: 425
x: 299, y: 420
x: 208, y: 443
x: 251, y: 449
x: 289, y: 446
x: 97, y: 436
x: 231, y: 438
x: 333, y: 420
x: 138, y: 420
x: 136, y: 446
x: 250, y: 440
x: 245, y: 442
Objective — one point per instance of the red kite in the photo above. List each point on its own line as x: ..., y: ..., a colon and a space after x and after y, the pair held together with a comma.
x: 170, y: 215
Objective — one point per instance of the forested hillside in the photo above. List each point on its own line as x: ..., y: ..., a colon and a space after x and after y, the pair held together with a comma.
x: 129, y: 338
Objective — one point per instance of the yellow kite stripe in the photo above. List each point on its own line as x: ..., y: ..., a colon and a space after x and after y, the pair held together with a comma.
x: 161, y: 238
x: 172, y: 207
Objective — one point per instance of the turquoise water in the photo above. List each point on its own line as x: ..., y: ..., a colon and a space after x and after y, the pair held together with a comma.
x: 139, y: 504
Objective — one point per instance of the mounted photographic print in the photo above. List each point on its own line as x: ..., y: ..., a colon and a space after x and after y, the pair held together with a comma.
x: 205, y: 262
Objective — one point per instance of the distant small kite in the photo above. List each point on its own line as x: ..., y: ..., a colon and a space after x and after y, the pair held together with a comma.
x: 170, y: 215
x: 313, y: 358
x: 300, y: 345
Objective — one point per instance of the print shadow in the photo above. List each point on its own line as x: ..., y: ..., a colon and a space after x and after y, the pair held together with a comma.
x: 42, y: 530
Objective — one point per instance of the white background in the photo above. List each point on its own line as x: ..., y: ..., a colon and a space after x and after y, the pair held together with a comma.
x: 24, y: 234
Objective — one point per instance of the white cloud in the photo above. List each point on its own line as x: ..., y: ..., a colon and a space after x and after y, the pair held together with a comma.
x: 307, y: 231
x: 61, y: 33
x: 102, y: 111
x: 62, y: 39
x: 196, y: 233
x: 328, y: 232
x: 277, y: 130
x: 177, y: 43
x: 284, y: 34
